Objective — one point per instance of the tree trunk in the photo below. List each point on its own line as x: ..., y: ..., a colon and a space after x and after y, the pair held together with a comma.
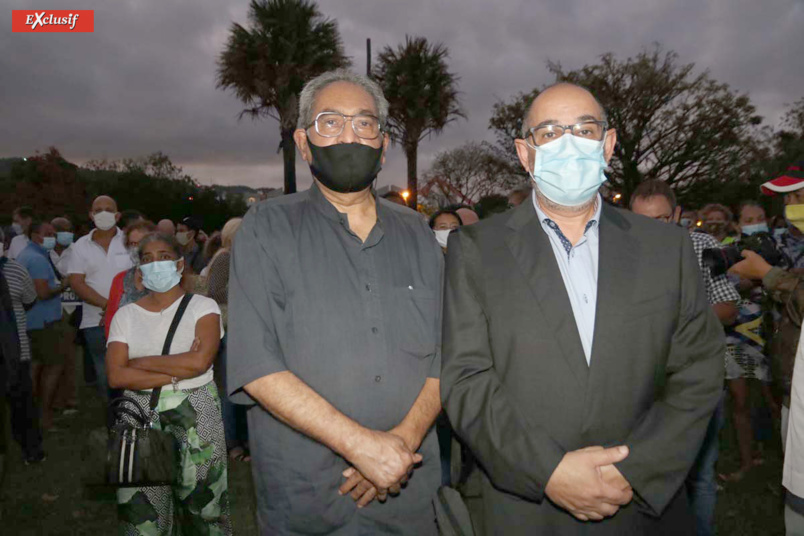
x: 411, y: 152
x: 289, y: 157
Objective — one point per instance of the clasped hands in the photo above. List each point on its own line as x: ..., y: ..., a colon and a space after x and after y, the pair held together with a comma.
x: 382, y: 462
x: 588, y: 485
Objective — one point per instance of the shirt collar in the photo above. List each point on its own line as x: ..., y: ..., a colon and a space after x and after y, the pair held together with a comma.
x: 116, y: 234
x: 328, y: 209
x: 37, y: 247
x: 593, y: 221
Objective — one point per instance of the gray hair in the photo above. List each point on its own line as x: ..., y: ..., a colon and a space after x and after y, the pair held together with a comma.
x: 525, y: 127
x: 314, y: 86
x: 170, y: 240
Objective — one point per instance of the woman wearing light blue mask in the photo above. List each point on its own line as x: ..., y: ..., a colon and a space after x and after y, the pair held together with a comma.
x: 746, y: 361
x: 189, y: 404
x: 753, y: 219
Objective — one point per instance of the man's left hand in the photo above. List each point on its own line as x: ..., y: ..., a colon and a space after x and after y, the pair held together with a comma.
x: 360, y: 489
x: 754, y: 267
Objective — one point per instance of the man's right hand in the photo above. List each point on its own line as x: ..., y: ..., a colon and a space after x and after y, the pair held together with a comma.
x: 577, y: 484
x: 383, y: 458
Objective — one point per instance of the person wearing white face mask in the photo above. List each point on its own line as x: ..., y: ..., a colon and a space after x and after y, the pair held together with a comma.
x: 97, y: 258
x: 188, y: 401
x: 187, y: 232
x: 443, y: 223
x: 581, y: 361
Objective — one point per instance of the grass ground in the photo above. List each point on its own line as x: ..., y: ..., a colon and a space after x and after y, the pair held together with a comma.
x: 47, y: 499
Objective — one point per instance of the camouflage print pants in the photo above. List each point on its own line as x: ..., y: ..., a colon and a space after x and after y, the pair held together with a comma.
x: 198, y: 504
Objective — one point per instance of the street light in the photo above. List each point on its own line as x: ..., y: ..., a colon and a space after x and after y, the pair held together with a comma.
x: 405, y: 195
x: 617, y: 197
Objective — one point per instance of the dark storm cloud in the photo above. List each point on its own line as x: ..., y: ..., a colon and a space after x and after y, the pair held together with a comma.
x: 144, y: 81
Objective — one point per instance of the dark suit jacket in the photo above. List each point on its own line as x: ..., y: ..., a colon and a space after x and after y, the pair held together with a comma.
x: 517, y: 388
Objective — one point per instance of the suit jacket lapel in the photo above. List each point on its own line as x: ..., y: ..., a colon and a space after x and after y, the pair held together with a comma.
x: 617, y: 269
x: 534, y: 255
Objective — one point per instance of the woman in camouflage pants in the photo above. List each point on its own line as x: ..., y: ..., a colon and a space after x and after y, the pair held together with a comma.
x: 189, y: 405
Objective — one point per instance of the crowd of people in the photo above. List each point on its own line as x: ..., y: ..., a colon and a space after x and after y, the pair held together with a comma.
x: 564, y: 364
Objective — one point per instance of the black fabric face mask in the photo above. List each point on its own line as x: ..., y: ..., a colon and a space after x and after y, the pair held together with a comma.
x: 345, y: 167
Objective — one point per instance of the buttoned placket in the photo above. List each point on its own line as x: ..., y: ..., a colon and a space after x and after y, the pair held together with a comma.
x: 372, y: 301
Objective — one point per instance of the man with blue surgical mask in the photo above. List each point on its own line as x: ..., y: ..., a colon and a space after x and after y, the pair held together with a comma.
x: 581, y: 361
x: 44, y: 317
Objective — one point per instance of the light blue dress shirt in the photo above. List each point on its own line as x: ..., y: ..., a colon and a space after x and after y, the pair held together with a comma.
x: 578, y: 266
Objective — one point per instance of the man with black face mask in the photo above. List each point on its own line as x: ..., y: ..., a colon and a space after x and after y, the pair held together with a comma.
x: 334, y: 319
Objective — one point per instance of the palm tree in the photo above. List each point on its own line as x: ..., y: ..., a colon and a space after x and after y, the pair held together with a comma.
x: 288, y: 42
x: 422, y: 96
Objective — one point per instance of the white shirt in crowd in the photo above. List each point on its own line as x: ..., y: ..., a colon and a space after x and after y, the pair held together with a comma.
x: 69, y: 299
x: 18, y: 243
x: 144, y: 332
x: 99, y: 268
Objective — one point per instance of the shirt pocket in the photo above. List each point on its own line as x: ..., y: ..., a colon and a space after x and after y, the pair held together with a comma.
x: 413, y: 319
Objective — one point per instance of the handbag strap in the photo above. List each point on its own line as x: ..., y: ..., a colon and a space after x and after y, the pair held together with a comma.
x: 168, y: 340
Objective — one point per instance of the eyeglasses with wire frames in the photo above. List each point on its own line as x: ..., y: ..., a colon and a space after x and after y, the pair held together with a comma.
x: 331, y: 125
x: 590, y: 130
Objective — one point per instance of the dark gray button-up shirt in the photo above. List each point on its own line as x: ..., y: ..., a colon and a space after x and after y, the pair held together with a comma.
x: 360, y: 323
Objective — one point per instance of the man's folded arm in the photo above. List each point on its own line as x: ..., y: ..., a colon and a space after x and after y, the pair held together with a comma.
x: 666, y: 442
x: 518, y: 456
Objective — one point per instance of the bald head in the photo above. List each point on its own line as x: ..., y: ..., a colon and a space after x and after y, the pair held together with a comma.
x: 166, y: 227
x: 468, y: 216
x: 62, y: 225
x: 562, y: 100
x: 104, y: 203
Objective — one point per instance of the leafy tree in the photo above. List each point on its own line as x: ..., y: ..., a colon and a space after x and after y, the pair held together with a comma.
x: 422, y: 96
x: 48, y: 183
x: 159, y: 189
x: 465, y: 174
x: 788, y: 143
x: 287, y: 43
x: 672, y: 124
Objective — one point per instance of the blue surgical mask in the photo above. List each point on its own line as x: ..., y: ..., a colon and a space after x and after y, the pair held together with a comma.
x: 569, y: 170
x: 63, y: 238
x: 779, y: 231
x: 49, y: 242
x: 160, y: 276
x: 749, y: 230
x: 685, y: 223
x: 18, y: 230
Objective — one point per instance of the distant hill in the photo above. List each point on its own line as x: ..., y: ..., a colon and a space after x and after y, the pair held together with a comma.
x: 249, y: 195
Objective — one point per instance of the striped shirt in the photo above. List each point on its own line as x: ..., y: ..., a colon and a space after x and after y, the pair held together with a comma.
x: 21, y: 288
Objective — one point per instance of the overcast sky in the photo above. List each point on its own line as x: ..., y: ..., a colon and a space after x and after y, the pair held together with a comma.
x: 144, y: 81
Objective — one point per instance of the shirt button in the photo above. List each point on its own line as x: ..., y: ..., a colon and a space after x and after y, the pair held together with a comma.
x: 585, y: 299
x: 374, y: 330
x: 377, y: 379
x: 368, y: 287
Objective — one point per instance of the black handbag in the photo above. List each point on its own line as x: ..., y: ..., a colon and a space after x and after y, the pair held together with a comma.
x: 136, y: 454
